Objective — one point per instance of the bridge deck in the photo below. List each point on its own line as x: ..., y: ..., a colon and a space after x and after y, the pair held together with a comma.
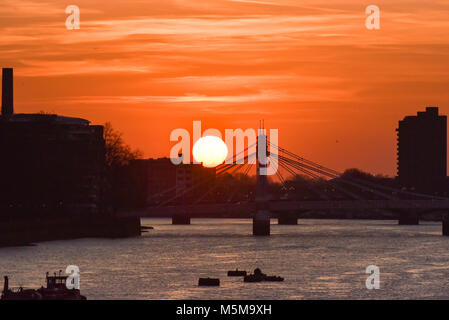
x: 247, y: 210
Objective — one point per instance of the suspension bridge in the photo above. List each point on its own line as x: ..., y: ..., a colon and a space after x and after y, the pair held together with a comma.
x: 327, y: 190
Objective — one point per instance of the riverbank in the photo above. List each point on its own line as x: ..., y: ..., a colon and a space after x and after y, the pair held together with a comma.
x: 25, y: 232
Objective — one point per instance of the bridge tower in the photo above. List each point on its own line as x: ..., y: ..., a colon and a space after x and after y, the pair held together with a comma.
x: 261, y: 219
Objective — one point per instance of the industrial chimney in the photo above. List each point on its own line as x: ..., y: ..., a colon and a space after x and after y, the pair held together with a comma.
x: 7, y: 92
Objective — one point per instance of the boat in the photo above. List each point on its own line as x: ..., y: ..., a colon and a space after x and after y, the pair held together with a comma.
x: 208, y: 282
x: 258, y: 276
x: 273, y: 279
x: 236, y: 273
x: 56, y: 289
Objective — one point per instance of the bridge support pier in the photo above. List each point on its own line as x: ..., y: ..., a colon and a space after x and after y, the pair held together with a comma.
x: 408, y: 218
x: 180, y: 220
x: 446, y: 225
x: 288, y: 219
x: 261, y: 224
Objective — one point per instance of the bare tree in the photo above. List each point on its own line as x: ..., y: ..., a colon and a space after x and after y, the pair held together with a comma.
x: 118, y: 157
x: 118, y: 154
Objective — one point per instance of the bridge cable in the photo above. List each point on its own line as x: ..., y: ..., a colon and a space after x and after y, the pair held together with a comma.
x: 309, y: 185
x: 221, y: 171
x: 373, y: 185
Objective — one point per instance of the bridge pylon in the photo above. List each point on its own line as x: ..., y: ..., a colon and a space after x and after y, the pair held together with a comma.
x: 446, y: 225
x: 288, y: 218
x: 180, y: 220
x: 408, y: 217
x: 261, y: 219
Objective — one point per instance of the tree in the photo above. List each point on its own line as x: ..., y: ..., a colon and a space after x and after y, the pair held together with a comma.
x: 118, y: 158
x: 362, y: 175
x: 118, y: 154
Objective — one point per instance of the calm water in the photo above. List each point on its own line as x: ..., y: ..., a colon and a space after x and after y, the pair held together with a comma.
x: 320, y: 259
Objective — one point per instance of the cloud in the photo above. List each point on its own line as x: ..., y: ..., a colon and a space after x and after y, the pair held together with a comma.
x: 140, y: 61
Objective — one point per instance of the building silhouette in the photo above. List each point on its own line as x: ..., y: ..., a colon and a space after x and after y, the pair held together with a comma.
x: 146, y: 182
x: 50, y: 162
x: 52, y: 183
x: 422, y: 151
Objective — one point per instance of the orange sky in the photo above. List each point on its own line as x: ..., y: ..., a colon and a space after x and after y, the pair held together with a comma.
x: 334, y: 89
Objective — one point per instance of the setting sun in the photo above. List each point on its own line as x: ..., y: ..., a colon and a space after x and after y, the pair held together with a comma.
x: 210, y: 151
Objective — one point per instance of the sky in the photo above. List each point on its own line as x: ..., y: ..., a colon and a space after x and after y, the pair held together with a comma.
x: 311, y: 69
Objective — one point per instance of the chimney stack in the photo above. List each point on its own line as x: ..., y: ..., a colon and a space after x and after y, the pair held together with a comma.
x: 7, y: 92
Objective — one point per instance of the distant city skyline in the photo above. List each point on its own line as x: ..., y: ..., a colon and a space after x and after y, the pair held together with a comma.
x: 334, y: 89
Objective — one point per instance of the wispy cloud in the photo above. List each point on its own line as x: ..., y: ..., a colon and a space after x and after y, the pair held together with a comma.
x: 146, y: 62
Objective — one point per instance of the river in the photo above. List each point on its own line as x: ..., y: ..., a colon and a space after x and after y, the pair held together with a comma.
x: 319, y: 259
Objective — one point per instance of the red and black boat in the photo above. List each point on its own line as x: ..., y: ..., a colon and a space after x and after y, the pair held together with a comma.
x: 56, y: 289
